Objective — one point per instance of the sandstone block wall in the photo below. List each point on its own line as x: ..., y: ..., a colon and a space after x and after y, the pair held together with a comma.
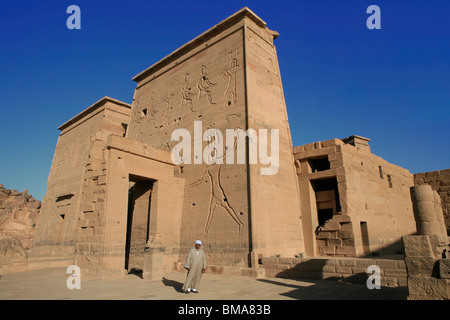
x: 89, y: 241
x: 428, y: 271
x: 378, y: 196
x: 127, y: 163
x: 372, y: 192
x: 75, y: 187
x: 393, y: 272
x: 336, y: 237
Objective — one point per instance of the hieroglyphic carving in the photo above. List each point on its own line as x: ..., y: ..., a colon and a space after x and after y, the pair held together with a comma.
x: 140, y: 116
x: 136, y: 116
x: 273, y: 66
x: 152, y: 113
x: 232, y: 117
x: 204, y: 85
x: 230, y: 75
x: 186, y: 94
x: 168, y: 100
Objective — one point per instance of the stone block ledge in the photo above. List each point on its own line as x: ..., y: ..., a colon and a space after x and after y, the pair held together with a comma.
x: 32, y: 264
x: 393, y: 272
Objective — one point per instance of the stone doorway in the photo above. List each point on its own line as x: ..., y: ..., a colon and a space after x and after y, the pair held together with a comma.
x: 327, y: 199
x: 138, y: 222
x: 334, y: 232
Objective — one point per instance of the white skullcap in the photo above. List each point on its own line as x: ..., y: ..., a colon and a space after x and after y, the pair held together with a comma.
x: 198, y: 242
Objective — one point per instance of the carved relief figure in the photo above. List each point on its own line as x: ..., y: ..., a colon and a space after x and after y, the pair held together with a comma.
x: 168, y: 100
x: 218, y: 196
x: 138, y: 117
x: 230, y: 74
x: 186, y: 93
x: 204, y: 85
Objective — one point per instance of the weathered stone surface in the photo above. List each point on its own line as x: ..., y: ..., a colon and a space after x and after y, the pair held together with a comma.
x: 425, y: 280
x: 11, y: 249
x: 19, y: 212
x: 346, y: 251
x: 420, y: 266
x: 327, y: 235
x: 267, y: 260
x: 345, y: 234
x: 417, y: 246
x: 331, y: 225
x: 327, y: 250
x: 427, y: 288
x: 333, y: 268
x: 334, y: 242
x: 444, y: 268
x: 342, y: 218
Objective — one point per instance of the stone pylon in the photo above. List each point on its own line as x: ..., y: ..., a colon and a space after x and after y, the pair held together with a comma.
x: 227, y: 78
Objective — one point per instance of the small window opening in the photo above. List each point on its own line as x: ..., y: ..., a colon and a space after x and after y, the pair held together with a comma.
x: 365, y: 237
x: 319, y: 164
x: 124, y: 129
x: 389, y: 180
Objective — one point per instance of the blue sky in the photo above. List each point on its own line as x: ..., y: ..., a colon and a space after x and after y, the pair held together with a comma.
x: 390, y: 85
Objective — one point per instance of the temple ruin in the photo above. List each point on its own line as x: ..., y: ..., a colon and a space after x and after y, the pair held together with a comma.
x: 116, y: 201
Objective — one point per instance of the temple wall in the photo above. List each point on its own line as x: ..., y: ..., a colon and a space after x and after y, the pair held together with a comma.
x: 372, y: 194
x: 80, y: 146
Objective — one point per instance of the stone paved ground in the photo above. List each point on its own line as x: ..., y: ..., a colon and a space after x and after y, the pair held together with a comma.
x: 50, y: 284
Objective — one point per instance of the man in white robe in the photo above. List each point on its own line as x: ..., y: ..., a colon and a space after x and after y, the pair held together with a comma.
x: 195, y: 265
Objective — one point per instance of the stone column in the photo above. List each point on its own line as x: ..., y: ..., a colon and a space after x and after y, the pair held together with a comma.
x: 440, y: 217
x: 424, y: 210
x: 428, y: 276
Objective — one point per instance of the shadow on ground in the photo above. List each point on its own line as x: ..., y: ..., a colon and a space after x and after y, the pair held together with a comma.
x: 178, y: 286
x: 336, y: 289
x: 137, y: 272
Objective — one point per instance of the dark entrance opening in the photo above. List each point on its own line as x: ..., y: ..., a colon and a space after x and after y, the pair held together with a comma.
x: 365, y: 237
x: 327, y: 198
x: 138, y: 219
x: 323, y: 215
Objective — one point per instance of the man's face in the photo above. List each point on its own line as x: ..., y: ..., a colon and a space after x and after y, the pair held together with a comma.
x: 197, y: 246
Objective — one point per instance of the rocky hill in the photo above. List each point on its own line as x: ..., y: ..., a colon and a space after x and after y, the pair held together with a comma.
x: 18, y: 215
